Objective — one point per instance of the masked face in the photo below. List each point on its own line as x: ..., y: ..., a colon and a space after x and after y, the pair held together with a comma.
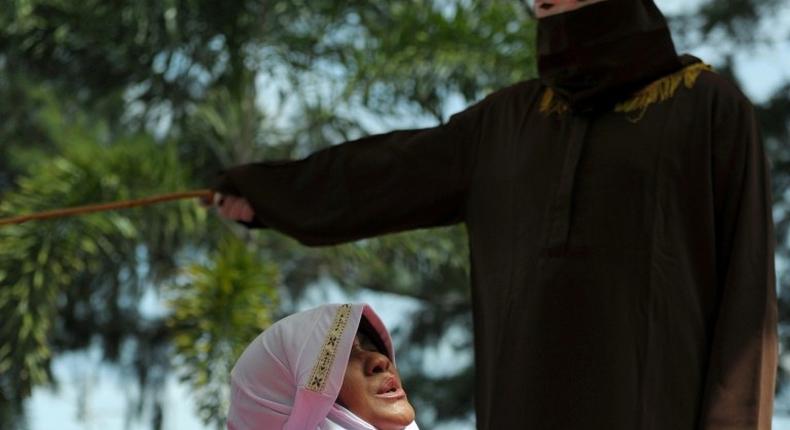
x: 372, y: 388
x: 544, y: 8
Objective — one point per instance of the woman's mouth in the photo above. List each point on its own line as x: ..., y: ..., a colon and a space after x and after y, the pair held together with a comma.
x: 390, y: 390
x: 393, y: 394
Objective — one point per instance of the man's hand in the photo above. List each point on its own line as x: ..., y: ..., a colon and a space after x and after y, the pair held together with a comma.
x: 235, y: 208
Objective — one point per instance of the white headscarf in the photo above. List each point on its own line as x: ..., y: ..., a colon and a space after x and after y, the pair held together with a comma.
x: 289, y: 377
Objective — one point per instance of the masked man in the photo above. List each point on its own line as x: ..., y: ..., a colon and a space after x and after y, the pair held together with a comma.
x: 619, y: 220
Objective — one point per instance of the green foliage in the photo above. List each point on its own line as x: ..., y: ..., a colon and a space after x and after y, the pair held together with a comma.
x: 400, y: 57
x: 217, y: 309
x: 110, y: 100
x: 188, y: 71
x: 424, y: 52
x: 170, y: 49
x: 57, y: 277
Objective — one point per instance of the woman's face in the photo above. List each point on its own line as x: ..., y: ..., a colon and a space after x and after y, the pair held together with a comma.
x: 545, y: 8
x: 372, y: 388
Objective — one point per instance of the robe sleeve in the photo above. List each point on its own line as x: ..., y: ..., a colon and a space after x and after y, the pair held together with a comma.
x: 742, y: 367
x: 380, y: 184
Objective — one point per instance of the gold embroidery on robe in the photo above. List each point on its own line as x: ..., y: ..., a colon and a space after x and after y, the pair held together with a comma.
x: 636, y: 106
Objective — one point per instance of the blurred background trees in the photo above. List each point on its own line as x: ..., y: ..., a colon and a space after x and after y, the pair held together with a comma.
x: 109, y: 100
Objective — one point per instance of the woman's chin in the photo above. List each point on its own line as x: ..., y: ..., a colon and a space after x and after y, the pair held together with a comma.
x: 396, y: 415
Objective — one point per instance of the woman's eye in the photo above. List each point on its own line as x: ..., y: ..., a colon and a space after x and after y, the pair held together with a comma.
x: 369, y: 346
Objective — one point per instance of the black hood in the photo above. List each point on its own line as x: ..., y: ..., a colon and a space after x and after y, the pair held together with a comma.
x: 600, y: 54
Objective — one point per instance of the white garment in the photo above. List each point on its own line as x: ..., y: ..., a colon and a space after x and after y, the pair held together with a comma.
x: 289, y: 377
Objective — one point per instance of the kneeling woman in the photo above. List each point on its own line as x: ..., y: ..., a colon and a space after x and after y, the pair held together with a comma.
x: 328, y: 368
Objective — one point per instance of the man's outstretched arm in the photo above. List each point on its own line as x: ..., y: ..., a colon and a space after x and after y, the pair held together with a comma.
x: 375, y: 185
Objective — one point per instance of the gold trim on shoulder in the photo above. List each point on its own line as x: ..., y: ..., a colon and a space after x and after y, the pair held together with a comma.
x: 326, y: 356
x: 658, y: 91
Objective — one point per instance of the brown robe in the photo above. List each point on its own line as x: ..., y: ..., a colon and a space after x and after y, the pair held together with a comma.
x: 622, y: 262
x: 622, y: 270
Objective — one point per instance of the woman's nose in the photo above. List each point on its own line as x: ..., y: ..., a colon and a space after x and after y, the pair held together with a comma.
x: 377, y: 363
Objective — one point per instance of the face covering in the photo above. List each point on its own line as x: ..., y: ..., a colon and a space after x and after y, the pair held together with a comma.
x: 600, y: 54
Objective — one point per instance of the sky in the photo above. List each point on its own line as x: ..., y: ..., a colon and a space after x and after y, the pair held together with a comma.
x: 105, y: 406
